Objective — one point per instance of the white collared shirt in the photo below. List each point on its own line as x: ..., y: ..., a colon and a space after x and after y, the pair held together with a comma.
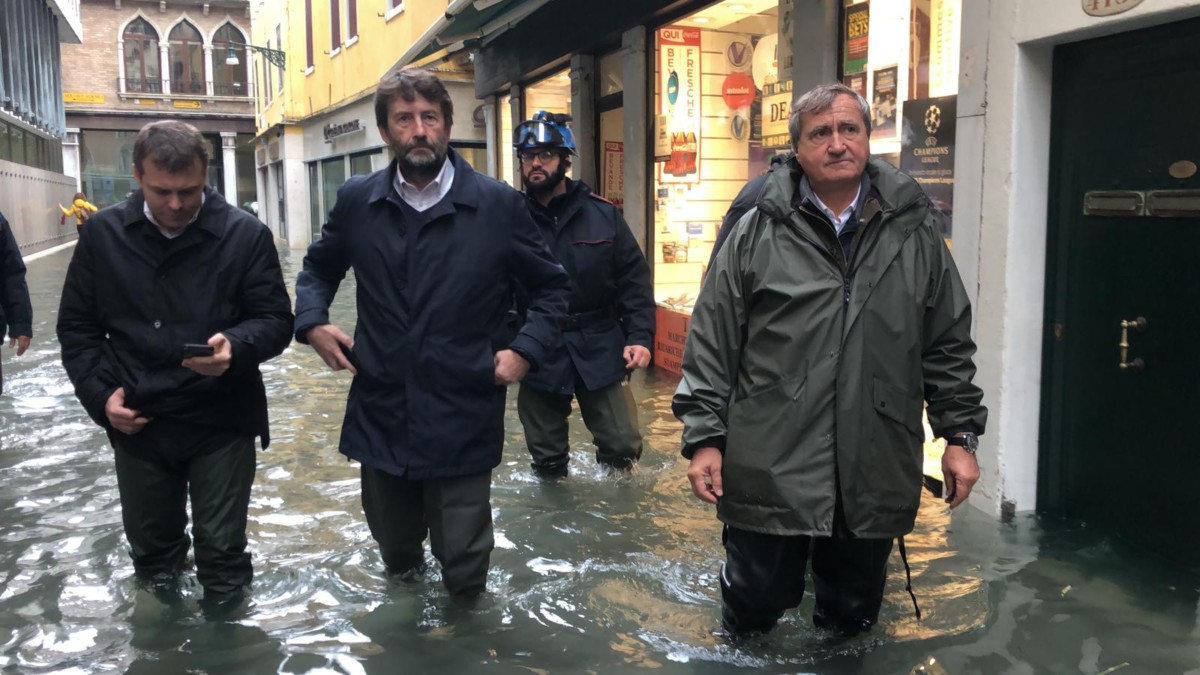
x: 421, y: 199
x: 171, y: 234
x: 839, y: 221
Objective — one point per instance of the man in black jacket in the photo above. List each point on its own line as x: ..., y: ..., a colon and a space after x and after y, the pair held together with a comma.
x: 173, y: 266
x: 436, y: 249
x: 15, y: 309
x: 610, y: 321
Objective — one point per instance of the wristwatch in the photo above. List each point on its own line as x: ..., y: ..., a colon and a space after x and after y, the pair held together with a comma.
x: 966, y: 440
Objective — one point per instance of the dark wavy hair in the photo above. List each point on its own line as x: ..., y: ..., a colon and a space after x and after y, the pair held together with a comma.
x: 407, y: 84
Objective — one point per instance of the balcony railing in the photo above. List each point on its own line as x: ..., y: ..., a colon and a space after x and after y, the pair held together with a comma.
x: 155, y: 86
x: 192, y: 87
x: 140, y: 85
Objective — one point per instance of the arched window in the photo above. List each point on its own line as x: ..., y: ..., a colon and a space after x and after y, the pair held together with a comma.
x: 229, y: 62
x: 141, y: 58
x: 186, y: 55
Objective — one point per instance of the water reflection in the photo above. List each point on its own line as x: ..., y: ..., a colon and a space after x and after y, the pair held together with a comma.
x: 594, y: 573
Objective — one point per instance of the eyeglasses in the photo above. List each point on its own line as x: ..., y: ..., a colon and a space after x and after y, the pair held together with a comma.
x: 544, y: 156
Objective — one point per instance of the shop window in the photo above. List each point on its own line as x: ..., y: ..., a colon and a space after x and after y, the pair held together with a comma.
x: 474, y: 154
x: 552, y: 94
x: 611, y: 74
x: 230, y: 67
x: 903, y: 57
x: 333, y: 174
x: 507, y: 158
x: 5, y: 149
x: 316, y: 216
x: 140, y: 48
x: 716, y: 74
x: 186, y: 56
x: 363, y: 163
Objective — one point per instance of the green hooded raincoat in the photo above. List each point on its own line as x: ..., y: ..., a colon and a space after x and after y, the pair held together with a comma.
x: 811, y: 371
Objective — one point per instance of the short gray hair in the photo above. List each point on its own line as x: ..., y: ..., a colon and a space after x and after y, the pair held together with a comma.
x: 819, y: 99
x: 173, y: 145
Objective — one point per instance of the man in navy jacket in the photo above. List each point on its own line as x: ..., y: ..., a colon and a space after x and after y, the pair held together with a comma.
x: 15, y: 309
x: 610, y: 321
x: 176, y: 265
x: 436, y: 250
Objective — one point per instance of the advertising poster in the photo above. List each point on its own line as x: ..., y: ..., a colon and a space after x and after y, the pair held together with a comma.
x: 776, y: 107
x: 883, y: 102
x: 858, y: 23
x: 679, y: 73
x: 613, y: 181
x: 927, y: 150
x: 857, y: 82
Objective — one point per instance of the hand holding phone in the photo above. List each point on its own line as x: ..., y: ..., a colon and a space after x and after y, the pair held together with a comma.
x: 191, y: 349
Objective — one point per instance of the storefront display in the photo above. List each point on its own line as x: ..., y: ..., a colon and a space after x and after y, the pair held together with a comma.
x: 721, y: 108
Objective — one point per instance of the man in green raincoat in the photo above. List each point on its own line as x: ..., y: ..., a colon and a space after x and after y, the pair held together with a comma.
x: 830, y: 318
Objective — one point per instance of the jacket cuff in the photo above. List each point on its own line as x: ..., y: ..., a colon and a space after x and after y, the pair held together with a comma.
x: 309, y: 319
x: 243, y: 357
x: 717, y: 442
x: 95, y: 406
x: 20, y: 329
x: 529, y: 349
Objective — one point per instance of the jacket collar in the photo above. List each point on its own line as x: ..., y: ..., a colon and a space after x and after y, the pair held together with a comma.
x: 208, y: 220
x: 562, y: 207
x: 894, y: 189
x: 463, y: 191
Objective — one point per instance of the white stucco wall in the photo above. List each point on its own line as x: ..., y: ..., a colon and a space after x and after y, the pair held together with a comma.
x: 1002, y: 175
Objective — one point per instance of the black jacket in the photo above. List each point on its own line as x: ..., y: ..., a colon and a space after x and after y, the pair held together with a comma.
x: 15, y: 309
x: 434, y: 290
x: 612, y: 301
x: 132, y: 298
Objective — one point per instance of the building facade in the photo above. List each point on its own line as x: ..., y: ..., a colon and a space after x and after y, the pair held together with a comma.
x: 145, y: 61
x: 32, y: 123
x: 316, y: 118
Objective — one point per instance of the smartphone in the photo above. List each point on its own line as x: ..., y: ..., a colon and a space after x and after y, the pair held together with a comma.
x: 350, y: 356
x: 191, y: 349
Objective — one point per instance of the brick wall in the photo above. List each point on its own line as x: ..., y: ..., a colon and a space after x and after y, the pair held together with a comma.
x: 91, y: 68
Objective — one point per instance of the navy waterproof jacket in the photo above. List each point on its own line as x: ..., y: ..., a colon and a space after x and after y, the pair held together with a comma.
x: 434, y: 294
x: 612, y: 301
x: 15, y: 309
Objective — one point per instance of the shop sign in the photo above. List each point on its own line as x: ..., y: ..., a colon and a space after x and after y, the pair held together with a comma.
x: 739, y: 54
x: 335, y: 130
x: 738, y: 91
x: 670, y: 337
x: 927, y: 150
x: 78, y: 97
x: 1108, y: 7
x: 857, y: 29
x: 192, y: 105
x: 613, y: 181
x: 777, y: 107
x: 679, y: 69
x: 145, y: 101
x: 857, y: 82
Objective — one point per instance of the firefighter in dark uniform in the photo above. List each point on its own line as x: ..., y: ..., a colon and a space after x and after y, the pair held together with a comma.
x: 610, y: 321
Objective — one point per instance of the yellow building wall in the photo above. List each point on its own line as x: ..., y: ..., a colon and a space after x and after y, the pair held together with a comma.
x: 340, y: 73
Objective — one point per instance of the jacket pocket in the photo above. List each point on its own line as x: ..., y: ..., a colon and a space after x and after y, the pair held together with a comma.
x: 766, y: 430
x: 899, y: 406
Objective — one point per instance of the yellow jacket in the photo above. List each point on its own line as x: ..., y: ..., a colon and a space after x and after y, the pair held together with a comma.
x: 79, y: 209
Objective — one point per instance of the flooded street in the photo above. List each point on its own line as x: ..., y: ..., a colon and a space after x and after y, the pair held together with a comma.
x: 596, y: 573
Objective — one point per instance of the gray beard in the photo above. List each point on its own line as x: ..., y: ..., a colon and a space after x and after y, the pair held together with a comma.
x: 421, y: 168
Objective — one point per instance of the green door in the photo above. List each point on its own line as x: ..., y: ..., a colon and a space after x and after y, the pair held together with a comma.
x: 1119, y: 446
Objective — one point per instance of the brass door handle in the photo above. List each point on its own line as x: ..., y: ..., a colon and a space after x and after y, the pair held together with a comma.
x: 1136, y: 365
